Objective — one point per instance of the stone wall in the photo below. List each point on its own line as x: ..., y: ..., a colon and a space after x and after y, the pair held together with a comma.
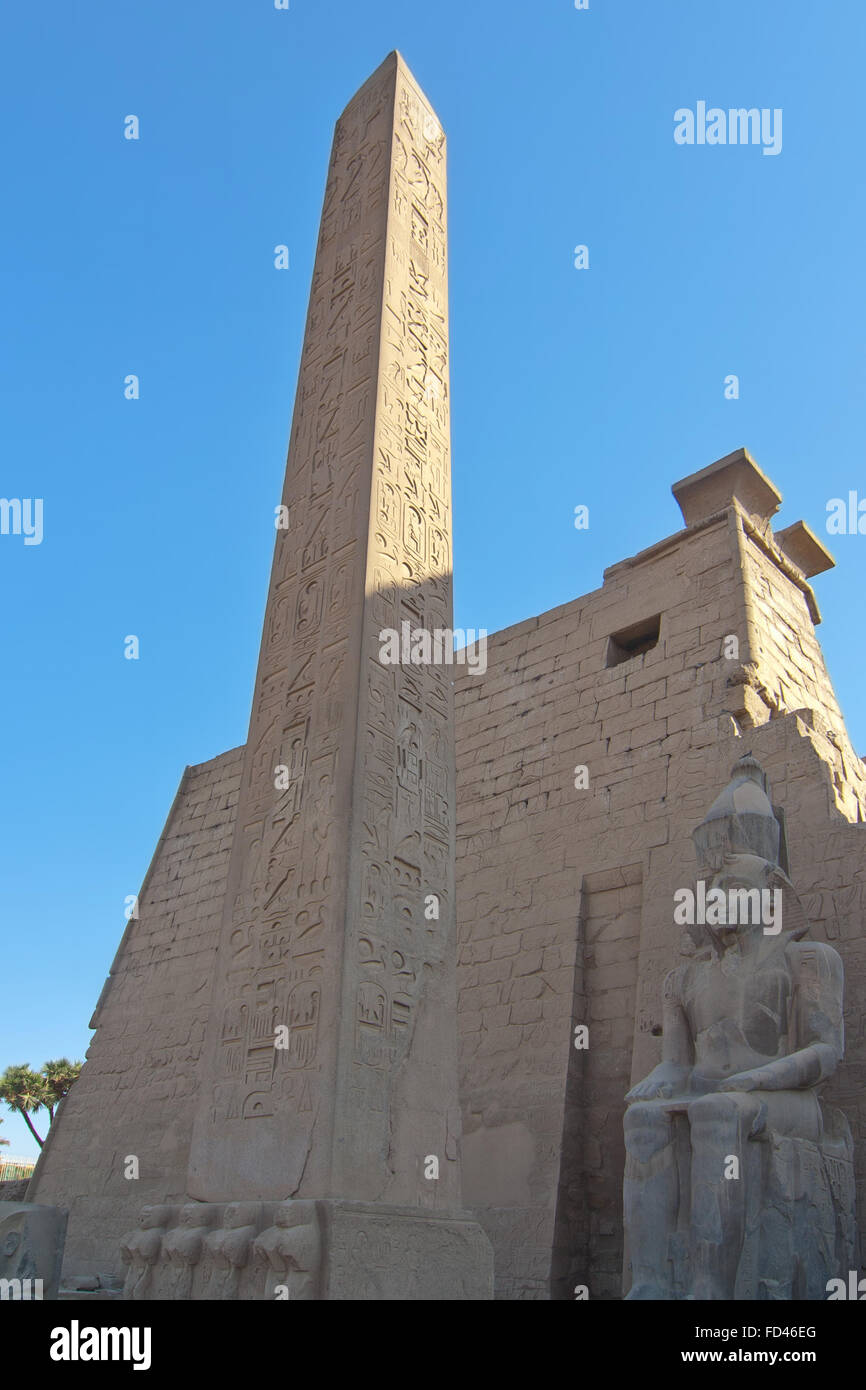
x: 136, y: 1092
x: 565, y: 894
x: 14, y: 1189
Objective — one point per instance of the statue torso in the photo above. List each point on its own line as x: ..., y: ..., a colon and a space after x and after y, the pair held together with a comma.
x: 739, y: 1013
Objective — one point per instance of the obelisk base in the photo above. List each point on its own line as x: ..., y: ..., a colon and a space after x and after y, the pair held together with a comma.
x: 302, y: 1250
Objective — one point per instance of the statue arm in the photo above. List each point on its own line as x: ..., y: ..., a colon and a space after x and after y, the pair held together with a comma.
x: 673, y: 1071
x: 797, y: 1072
x: 677, y: 1047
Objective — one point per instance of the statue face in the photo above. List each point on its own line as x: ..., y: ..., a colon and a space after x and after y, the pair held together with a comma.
x: 735, y: 886
x: 153, y: 1216
x: 290, y: 1214
x: 240, y: 1214
x: 283, y: 1215
x: 728, y: 881
x: 742, y: 873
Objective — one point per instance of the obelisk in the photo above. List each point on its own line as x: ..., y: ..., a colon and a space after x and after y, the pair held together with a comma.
x: 328, y: 1076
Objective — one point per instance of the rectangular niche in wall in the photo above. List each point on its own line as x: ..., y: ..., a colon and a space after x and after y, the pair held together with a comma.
x: 633, y: 641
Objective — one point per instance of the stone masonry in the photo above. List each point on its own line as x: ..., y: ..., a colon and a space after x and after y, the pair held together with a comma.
x: 136, y: 1094
x: 565, y: 895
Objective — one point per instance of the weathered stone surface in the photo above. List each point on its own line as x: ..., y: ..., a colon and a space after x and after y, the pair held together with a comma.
x: 587, y: 876
x: 802, y: 546
x: 713, y: 488
x: 31, y: 1249
x: 135, y: 1095
x: 141, y: 1250
x: 229, y: 1249
x: 326, y: 1249
x: 14, y: 1190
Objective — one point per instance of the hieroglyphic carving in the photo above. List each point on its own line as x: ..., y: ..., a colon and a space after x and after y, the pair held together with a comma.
x: 345, y: 815
x: 285, y: 892
x: 405, y: 716
x: 399, y: 701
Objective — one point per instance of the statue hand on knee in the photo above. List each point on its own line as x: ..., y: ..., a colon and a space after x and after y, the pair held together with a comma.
x: 664, y: 1081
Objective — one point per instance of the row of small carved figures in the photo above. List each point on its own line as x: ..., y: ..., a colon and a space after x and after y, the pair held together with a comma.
x: 205, y: 1249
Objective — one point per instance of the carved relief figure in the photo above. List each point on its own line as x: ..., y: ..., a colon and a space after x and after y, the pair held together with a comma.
x: 140, y: 1250
x: 303, y: 1022
x: 320, y: 830
x: 229, y: 1248
x: 289, y: 1253
x: 309, y: 608
x: 185, y: 1244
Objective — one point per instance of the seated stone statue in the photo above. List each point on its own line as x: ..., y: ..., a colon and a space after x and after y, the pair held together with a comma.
x: 738, y: 1185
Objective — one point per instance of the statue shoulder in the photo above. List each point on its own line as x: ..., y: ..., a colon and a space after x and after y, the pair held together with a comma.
x: 815, y: 960
x: 675, y: 982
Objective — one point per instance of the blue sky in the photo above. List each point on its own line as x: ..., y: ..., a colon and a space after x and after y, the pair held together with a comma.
x: 601, y: 386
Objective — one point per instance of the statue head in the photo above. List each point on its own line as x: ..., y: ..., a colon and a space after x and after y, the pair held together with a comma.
x: 740, y: 821
x: 197, y: 1214
x: 741, y: 847
x: 151, y: 1217
x: 289, y: 1214
x: 239, y: 1214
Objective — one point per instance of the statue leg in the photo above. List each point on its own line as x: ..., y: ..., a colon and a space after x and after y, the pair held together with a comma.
x: 724, y: 1163
x: 232, y: 1280
x: 184, y: 1283
x: 650, y: 1198
x: 143, y: 1282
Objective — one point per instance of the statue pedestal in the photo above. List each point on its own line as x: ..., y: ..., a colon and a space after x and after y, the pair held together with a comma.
x: 306, y: 1250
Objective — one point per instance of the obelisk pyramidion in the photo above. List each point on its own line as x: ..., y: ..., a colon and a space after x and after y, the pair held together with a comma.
x: 327, y: 1098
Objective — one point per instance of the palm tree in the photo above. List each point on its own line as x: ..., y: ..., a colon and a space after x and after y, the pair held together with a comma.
x: 59, y: 1076
x: 24, y: 1090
